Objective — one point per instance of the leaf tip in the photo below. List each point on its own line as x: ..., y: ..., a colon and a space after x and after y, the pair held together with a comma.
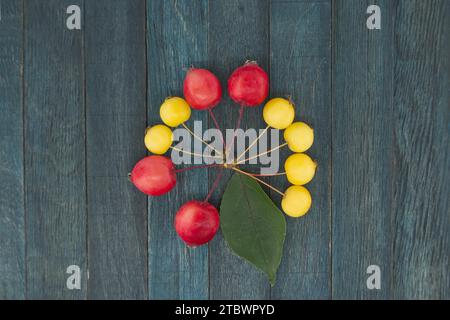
x: 272, y: 280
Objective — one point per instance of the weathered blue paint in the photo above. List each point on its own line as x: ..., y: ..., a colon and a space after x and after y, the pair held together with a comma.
x: 54, y: 121
x: 115, y: 120
x: 12, y: 213
x: 177, y: 40
x: 230, y: 44
x: 421, y: 158
x: 362, y: 150
x: 300, y: 67
x: 75, y: 105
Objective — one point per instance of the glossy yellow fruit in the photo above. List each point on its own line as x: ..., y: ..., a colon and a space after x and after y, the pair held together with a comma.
x: 174, y: 111
x: 299, y: 136
x: 296, y: 201
x: 158, y: 139
x: 300, y: 168
x: 278, y: 113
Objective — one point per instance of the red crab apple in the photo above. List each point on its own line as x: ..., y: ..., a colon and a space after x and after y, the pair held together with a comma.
x: 196, y: 222
x: 154, y: 175
x: 202, y: 89
x: 248, y: 85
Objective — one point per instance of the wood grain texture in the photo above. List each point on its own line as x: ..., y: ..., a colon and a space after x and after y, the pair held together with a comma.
x: 362, y: 150
x: 54, y: 151
x: 12, y: 213
x: 421, y: 217
x: 116, y: 112
x: 238, y: 30
x: 177, y: 39
x: 75, y: 105
x: 300, y: 67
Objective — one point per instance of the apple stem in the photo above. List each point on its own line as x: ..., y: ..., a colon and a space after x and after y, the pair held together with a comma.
x: 203, y: 141
x: 259, y: 180
x: 252, y: 144
x: 194, y: 154
x: 198, y: 167
x: 238, y: 125
x: 266, y: 174
x: 216, y: 124
x: 214, y: 186
x: 262, y: 153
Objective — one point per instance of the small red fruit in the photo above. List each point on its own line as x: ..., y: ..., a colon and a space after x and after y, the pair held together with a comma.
x: 248, y: 85
x: 196, y: 222
x: 202, y: 89
x: 154, y: 175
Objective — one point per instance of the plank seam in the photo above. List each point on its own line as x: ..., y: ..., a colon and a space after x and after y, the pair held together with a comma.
x: 23, y: 154
x: 83, y: 59
x: 208, y: 123
x: 332, y: 104
x: 269, y: 40
x: 393, y: 10
x: 146, y: 125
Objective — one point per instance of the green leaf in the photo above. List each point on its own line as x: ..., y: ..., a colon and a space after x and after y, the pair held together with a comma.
x: 252, y: 225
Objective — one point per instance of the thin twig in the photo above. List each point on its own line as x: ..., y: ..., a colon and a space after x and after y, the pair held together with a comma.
x: 262, y: 153
x: 267, y: 174
x: 203, y: 141
x: 238, y: 124
x: 259, y: 180
x: 216, y: 124
x: 194, y: 154
x: 198, y: 167
x: 214, y: 186
x: 252, y: 144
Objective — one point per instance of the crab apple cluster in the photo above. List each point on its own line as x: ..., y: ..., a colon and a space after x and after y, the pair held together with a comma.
x: 279, y: 113
x: 196, y: 222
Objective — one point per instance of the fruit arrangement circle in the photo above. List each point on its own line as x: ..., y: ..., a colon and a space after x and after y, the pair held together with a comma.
x: 197, y: 221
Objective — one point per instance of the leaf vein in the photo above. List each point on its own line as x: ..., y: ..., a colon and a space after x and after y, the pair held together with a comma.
x: 258, y: 240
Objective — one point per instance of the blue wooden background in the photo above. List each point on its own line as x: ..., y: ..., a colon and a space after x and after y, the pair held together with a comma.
x: 74, y: 106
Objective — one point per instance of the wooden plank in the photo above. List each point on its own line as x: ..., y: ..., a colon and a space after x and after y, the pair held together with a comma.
x: 238, y: 30
x: 362, y: 163
x: 12, y: 232
x: 300, y: 66
x: 54, y: 151
x: 116, y: 111
x: 421, y: 219
x: 177, y: 39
